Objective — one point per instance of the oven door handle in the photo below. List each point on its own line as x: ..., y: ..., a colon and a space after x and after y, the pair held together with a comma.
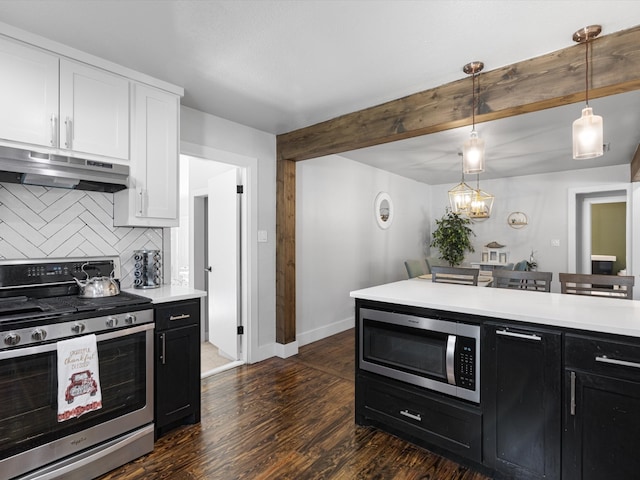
x: 50, y: 347
x: 450, y: 359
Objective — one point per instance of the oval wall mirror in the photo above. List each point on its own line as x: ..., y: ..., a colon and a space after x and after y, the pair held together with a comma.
x: 383, y: 210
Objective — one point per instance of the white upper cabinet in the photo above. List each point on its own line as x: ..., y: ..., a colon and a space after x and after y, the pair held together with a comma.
x: 28, y: 94
x: 152, y: 196
x: 94, y: 111
x: 70, y: 107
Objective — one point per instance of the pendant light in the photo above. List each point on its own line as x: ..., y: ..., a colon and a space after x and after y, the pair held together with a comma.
x: 587, y: 130
x: 473, y: 148
x: 481, y: 203
x: 461, y: 196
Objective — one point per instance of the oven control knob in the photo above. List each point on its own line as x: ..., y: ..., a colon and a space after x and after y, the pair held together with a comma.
x: 130, y: 319
x: 12, y: 339
x: 78, y: 328
x: 38, y: 335
x: 112, y: 322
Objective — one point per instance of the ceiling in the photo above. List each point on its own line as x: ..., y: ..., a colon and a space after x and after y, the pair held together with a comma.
x: 279, y: 65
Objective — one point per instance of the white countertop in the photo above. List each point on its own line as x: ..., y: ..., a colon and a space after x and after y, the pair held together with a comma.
x: 167, y: 293
x: 596, y: 314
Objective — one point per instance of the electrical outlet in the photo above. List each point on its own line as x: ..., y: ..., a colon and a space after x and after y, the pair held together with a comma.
x: 262, y: 236
x: 555, y: 242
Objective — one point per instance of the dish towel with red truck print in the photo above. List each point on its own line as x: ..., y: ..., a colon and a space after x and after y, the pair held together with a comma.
x: 78, y: 377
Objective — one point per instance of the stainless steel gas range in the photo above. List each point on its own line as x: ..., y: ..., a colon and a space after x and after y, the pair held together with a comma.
x: 108, y: 372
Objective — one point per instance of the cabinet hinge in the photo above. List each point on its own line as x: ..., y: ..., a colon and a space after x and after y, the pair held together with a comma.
x: 240, y: 330
x: 239, y: 188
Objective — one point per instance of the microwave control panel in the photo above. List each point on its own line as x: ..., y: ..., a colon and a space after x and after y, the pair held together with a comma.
x: 465, y: 363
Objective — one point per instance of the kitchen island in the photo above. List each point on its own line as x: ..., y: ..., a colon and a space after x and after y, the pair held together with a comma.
x: 557, y: 377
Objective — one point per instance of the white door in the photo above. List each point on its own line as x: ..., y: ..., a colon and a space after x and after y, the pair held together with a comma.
x: 224, y: 262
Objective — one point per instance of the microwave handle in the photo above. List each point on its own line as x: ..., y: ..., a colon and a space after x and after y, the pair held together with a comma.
x: 450, y: 359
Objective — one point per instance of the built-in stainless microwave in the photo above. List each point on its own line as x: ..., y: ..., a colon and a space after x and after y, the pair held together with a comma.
x: 436, y: 354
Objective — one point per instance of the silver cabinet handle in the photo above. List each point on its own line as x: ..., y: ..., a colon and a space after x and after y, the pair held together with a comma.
x: 573, y: 393
x: 164, y: 350
x: 531, y: 336
x: 179, y: 317
x: 69, y: 132
x: 54, y: 141
x: 412, y: 416
x: 141, y: 200
x: 624, y: 363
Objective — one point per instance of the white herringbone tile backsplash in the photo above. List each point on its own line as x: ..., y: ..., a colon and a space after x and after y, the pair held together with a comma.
x: 41, y: 222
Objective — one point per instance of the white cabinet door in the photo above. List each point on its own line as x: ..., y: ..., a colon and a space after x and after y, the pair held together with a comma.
x: 152, y: 197
x: 28, y: 94
x: 94, y: 111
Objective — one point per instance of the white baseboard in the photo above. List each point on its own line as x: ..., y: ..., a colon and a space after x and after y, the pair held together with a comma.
x: 286, y: 350
x: 325, y: 331
x: 264, y: 352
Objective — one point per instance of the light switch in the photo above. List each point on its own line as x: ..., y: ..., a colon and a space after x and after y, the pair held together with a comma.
x: 555, y: 242
x: 262, y: 236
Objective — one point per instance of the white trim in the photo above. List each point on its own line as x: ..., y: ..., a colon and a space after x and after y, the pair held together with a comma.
x: 572, y: 222
x: 325, y: 331
x: 286, y: 350
x: 250, y: 316
x: 221, y: 368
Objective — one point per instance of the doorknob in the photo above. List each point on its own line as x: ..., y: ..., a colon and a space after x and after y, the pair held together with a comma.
x: 208, y: 269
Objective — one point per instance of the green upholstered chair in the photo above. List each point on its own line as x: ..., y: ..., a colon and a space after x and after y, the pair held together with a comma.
x: 415, y: 268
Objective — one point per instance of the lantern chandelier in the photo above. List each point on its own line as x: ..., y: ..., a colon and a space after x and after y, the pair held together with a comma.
x: 587, y: 130
x: 472, y: 203
x: 473, y: 148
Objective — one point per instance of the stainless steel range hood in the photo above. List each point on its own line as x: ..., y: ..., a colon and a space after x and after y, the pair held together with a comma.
x: 33, y: 168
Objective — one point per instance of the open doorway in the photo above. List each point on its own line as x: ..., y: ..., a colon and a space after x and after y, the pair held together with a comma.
x: 600, y: 228
x: 207, y: 254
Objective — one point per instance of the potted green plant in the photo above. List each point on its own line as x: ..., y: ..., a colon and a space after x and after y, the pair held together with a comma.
x: 452, y: 237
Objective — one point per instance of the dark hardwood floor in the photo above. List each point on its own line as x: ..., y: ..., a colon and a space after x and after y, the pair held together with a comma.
x: 287, y: 419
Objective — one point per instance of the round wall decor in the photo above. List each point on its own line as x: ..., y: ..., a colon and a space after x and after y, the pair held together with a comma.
x: 517, y: 220
x: 383, y: 210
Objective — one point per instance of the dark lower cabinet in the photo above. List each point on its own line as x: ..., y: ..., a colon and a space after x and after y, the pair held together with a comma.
x: 177, y: 365
x: 554, y: 404
x: 427, y: 419
x: 602, y: 409
x: 521, y: 395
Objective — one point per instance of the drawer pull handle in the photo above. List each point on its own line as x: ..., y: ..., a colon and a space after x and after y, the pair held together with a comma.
x: 572, y: 406
x: 413, y: 416
x: 507, y: 333
x: 179, y: 317
x: 163, y: 355
x: 624, y: 363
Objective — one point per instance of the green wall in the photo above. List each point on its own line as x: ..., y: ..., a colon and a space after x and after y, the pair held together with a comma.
x: 608, y: 232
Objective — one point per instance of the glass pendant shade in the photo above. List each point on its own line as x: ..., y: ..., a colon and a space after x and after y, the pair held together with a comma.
x: 460, y: 198
x: 473, y: 154
x: 587, y: 135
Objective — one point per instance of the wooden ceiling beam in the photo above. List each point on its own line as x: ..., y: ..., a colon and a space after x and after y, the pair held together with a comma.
x: 635, y: 166
x: 539, y: 83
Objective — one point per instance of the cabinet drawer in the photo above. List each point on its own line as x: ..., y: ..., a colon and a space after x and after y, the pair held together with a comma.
x: 437, y: 422
x: 603, y: 356
x: 177, y: 314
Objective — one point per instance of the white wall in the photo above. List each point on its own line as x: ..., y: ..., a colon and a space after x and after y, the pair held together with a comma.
x: 544, y: 199
x: 339, y: 246
x: 203, y: 133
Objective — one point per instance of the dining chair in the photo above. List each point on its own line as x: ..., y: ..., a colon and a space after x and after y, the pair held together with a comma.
x: 614, y: 286
x: 515, y: 279
x: 415, y: 268
x: 457, y: 275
